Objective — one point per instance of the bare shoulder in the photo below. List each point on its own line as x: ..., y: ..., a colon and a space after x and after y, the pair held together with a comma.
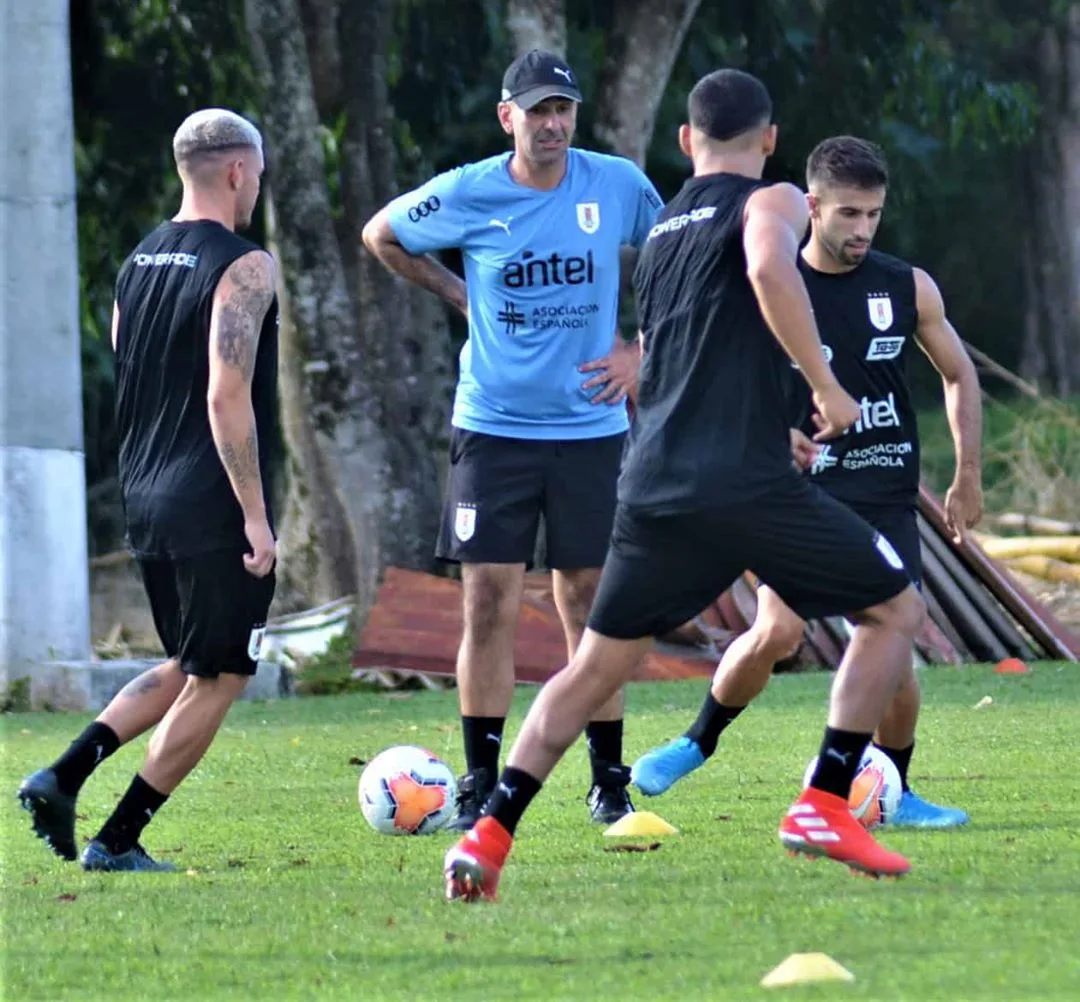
x: 772, y: 213
x: 928, y: 301
x: 924, y: 282
x: 253, y: 273
x: 782, y: 199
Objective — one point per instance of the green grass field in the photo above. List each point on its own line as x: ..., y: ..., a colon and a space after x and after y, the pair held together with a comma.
x: 284, y: 892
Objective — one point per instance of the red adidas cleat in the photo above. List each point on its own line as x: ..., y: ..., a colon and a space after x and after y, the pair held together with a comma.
x: 473, y: 865
x: 821, y: 824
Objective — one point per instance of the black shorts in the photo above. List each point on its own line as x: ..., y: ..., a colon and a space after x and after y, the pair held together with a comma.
x: 816, y: 553
x: 499, y: 487
x: 900, y: 526
x: 210, y: 613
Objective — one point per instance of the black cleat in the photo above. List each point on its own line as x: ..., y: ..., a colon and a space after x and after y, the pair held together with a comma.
x: 52, y: 812
x: 474, y: 788
x: 608, y: 800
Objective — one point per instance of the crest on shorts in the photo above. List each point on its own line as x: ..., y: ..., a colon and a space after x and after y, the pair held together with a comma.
x: 255, y: 642
x: 886, y: 549
x: 465, y: 522
x: 588, y: 216
x: 880, y: 309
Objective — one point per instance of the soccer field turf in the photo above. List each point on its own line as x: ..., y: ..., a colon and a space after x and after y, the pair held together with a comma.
x: 285, y: 893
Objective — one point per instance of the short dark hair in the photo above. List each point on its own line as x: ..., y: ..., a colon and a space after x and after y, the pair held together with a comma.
x: 847, y: 161
x: 726, y: 103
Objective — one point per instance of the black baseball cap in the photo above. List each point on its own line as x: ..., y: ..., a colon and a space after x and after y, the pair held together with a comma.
x: 536, y: 76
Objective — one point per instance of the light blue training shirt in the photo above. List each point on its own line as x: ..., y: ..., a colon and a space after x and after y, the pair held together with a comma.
x: 542, y: 275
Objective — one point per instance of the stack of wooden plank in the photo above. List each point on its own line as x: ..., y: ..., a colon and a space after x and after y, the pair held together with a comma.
x: 977, y: 609
x: 977, y: 612
x: 985, y: 612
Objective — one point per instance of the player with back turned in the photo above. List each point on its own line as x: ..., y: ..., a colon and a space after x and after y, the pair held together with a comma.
x: 708, y: 488
x: 195, y: 338
x: 872, y: 309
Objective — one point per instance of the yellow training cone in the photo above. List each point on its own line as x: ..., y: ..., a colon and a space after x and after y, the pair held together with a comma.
x: 803, y: 968
x: 643, y: 824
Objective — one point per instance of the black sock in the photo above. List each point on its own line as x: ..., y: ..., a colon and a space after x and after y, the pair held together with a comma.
x: 513, y: 794
x: 483, y: 740
x: 83, y: 756
x: 901, y: 758
x: 838, y: 761
x: 604, y: 740
x: 712, y: 718
x: 135, y: 811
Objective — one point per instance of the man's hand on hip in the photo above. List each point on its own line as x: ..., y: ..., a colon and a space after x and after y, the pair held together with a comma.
x: 616, y: 373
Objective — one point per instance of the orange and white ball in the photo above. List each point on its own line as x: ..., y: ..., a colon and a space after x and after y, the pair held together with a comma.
x: 875, y: 791
x: 405, y: 790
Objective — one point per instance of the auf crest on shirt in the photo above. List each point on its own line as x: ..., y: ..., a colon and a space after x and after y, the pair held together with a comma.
x: 588, y: 216
x: 880, y: 309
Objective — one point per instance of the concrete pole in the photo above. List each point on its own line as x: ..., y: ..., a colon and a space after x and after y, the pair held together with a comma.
x: 44, y: 590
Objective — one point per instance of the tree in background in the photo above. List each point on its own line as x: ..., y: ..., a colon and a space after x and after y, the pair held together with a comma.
x: 1050, y: 252
x: 367, y: 364
x: 365, y: 373
x: 360, y: 101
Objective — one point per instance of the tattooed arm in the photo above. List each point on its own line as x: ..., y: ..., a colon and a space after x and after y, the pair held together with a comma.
x: 241, y: 300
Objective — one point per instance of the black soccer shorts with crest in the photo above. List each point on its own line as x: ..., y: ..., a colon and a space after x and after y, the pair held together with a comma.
x: 822, y: 559
x: 210, y: 613
x: 498, y: 488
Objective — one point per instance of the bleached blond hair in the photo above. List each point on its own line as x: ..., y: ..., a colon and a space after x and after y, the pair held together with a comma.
x: 209, y: 131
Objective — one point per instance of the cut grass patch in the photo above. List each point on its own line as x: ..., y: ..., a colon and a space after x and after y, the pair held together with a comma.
x: 285, y: 893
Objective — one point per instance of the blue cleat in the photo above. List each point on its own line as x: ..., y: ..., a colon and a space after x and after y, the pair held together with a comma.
x: 96, y: 857
x: 914, y: 812
x: 661, y: 768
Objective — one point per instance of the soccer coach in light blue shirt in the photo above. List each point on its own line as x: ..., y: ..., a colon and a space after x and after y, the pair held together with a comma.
x: 539, y: 414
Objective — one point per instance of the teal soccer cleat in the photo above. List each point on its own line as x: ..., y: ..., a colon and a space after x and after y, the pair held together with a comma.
x: 661, y: 768
x: 914, y: 812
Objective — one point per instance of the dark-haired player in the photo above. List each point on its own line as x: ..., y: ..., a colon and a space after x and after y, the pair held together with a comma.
x: 872, y: 309
x: 708, y: 487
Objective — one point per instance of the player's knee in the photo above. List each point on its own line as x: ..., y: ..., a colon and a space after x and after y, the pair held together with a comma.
x: 777, y: 636
x: 577, y: 592
x: 782, y: 639
x: 600, y: 667
x: 911, y: 612
x: 904, y: 613
x: 226, y: 686
x: 490, y: 605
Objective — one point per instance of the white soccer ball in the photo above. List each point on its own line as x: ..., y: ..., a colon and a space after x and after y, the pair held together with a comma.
x: 875, y: 791
x: 407, y: 790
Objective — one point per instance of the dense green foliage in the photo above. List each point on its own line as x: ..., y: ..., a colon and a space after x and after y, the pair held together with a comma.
x: 1031, y: 456
x: 944, y: 85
